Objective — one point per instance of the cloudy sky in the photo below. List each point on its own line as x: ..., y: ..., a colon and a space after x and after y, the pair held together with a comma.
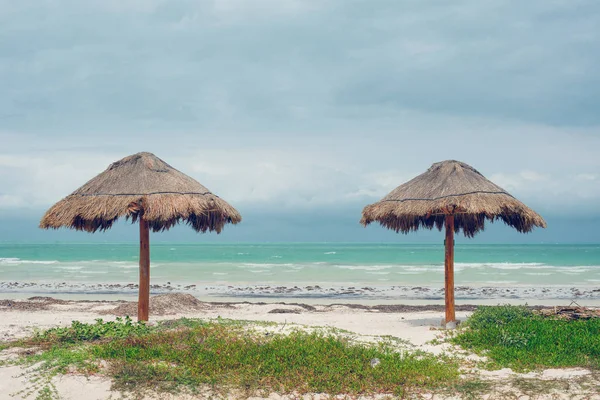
x: 300, y: 112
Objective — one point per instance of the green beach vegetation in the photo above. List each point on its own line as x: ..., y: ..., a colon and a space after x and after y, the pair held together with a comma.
x: 240, y: 358
x: 226, y: 355
x: 518, y: 338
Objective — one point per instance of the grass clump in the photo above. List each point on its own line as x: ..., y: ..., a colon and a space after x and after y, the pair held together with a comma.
x: 196, y: 354
x: 79, y: 332
x: 515, y: 337
x: 219, y: 356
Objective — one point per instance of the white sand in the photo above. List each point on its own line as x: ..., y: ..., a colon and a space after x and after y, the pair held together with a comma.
x: 418, y: 328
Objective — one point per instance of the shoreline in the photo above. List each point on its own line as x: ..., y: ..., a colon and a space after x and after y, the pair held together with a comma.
x: 357, y: 303
x: 311, y: 294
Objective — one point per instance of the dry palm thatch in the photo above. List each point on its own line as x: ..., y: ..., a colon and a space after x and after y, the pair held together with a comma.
x: 450, y: 187
x: 141, y: 183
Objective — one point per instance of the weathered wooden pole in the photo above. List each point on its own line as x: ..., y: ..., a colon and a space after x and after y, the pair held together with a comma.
x: 449, y: 268
x: 144, y: 290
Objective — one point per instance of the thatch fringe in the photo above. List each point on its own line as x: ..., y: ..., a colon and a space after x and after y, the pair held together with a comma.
x: 450, y: 187
x: 143, y: 186
x: 89, y: 213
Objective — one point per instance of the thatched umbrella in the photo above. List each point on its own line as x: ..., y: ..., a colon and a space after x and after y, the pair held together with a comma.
x: 146, y: 189
x: 455, y: 195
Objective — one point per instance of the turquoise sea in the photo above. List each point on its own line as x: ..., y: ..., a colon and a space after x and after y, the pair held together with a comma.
x: 305, y: 270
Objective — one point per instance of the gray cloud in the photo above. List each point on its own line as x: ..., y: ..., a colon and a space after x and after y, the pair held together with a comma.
x: 554, y: 172
x: 305, y: 105
x: 531, y: 61
x: 231, y: 64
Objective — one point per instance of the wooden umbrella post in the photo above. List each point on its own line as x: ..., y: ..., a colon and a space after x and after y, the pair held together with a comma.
x: 449, y: 269
x: 144, y: 290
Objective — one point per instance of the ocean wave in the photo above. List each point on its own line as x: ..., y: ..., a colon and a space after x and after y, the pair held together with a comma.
x: 18, y: 261
x: 501, y: 265
x: 264, y: 265
x: 575, y: 270
x: 38, y: 262
x: 423, y: 269
x: 93, y: 272
x: 331, y: 252
x: 133, y: 266
x: 471, y: 266
x: 70, y: 268
x: 364, y: 267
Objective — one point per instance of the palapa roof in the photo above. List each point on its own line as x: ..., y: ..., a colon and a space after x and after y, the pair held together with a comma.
x: 141, y: 184
x: 450, y: 187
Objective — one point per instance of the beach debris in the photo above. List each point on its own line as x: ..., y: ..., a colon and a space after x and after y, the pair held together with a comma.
x: 31, y: 304
x: 163, y: 304
x: 571, y: 312
x: 375, y: 362
x: 284, y: 311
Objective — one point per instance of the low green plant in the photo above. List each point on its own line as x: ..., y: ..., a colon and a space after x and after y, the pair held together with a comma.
x: 195, y: 354
x: 515, y: 337
x: 79, y: 332
x: 216, y: 355
x: 486, y: 316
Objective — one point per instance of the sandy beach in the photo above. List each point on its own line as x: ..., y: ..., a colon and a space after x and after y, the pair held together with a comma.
x: 299, y: 199
x: 417, y: 325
